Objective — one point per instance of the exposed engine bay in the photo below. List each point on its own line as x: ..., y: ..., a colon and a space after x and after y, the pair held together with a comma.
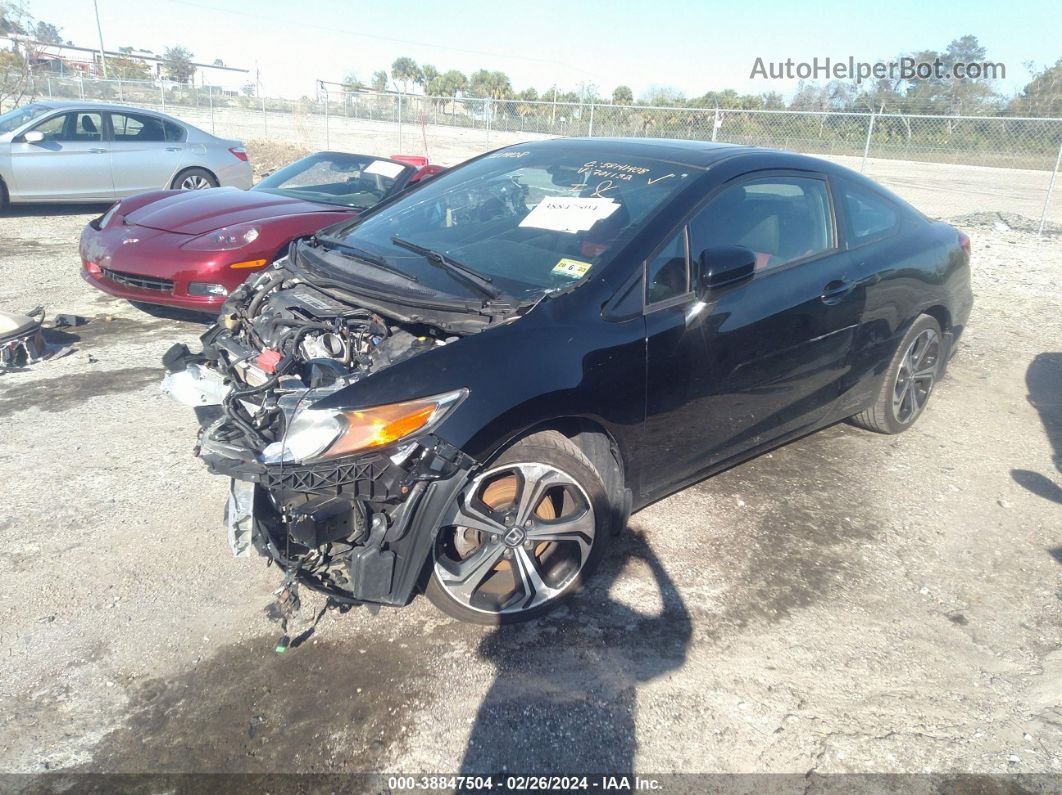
x: 329, y: 501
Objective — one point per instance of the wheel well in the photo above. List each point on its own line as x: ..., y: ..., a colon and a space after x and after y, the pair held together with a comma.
x: 941, y: 315
x: 604, y: 452
x: 195, y: 168
x: 3, y: 193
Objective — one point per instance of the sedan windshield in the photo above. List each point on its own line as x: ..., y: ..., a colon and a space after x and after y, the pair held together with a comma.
x: 14, y: 119
x: 357, y: 181
x: 529, y: 219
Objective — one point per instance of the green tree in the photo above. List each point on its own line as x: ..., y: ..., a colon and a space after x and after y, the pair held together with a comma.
x: 622, y: 95
x: 449, y: 84
x: 379, y: 80
x: 127, y: 69
x: 1042, y: 96
x: 405, y: 71
x: 177, y: 64
x: 495, y: 85
x: 46, y: 33
x: 351, y: 82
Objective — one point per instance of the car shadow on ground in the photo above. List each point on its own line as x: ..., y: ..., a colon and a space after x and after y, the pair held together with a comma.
x: 1044, y: 382
x: 176, y: 313
x: 564, y: 697
x: 53, y: 210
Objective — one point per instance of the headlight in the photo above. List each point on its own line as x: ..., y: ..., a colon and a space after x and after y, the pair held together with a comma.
x: 107, y: 216
x: 227, y: 239
x: 328, y: 433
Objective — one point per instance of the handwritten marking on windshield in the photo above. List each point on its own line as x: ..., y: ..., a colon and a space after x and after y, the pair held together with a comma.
x: 602, y: 188
x: 660, y: 179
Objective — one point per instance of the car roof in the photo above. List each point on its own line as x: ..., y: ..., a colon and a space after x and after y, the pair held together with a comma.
x: 70, y: 104
x: 705, y: 154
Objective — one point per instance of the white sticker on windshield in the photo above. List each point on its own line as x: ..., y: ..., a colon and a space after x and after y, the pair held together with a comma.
x: 569, y: 214
x: 383, y: 168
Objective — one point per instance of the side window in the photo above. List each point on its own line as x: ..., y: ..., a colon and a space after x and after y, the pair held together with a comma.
x: 129, y: 127
x: 54, y: 129
x: 781, y: 219
x: 88, y: 127
x: 174, y: 132
x: 668, y: 274
x: 870, y: 216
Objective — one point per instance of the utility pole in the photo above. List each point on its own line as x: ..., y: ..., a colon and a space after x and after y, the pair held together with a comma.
x: 99, y: 31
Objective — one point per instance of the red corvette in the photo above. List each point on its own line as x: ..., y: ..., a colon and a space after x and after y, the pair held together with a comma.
x: 190, y: 249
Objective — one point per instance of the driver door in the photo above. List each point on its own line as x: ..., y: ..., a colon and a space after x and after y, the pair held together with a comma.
x: 736, y: 368
x: 70, y: 164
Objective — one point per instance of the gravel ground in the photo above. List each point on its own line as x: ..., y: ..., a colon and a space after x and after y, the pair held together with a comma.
x: 847, y: 603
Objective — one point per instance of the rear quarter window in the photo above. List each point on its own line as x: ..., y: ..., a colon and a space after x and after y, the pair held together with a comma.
x: 869, y: 215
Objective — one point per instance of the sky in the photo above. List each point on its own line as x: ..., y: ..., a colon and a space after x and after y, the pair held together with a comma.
x: 693, y: 47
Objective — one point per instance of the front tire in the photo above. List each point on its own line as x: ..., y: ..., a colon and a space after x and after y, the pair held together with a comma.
x: 522, y: 536
x: 194, y: 179
x: 909, y: 381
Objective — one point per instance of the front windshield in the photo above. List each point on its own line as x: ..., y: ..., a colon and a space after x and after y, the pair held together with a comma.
x: 532, y: 218
x: 356, y: 181
x: 14, y: 119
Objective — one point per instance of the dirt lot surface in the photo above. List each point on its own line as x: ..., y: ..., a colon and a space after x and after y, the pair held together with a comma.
x: 848, y: 603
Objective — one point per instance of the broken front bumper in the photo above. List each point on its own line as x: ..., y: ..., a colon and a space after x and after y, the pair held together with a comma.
x: 287, y: 513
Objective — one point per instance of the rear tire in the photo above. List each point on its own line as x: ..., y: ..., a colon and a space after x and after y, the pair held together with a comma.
x: 522, y: 536
x: 194, y: 179
x: 909, y: 381
x: 4, y: 199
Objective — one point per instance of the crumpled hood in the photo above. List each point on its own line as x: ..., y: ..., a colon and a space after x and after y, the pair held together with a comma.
x: 201, y: 211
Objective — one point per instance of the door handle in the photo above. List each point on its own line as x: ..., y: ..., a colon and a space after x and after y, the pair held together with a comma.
x: 173, y: 149
x: 98, y: 151
x: 833, y: 292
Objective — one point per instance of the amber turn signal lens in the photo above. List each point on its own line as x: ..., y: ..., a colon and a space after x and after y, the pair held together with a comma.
x: 251, y: 263
x: 380, y: 426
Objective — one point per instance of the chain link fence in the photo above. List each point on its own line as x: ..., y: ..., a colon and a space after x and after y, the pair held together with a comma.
x: 945, y: 165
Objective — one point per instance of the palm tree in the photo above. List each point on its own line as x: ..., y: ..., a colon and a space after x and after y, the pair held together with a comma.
x: 405, y: 71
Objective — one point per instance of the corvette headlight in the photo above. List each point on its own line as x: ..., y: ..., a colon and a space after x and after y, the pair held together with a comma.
x: 107, y: 216
x: 327, y: 433
x: 228, y: 238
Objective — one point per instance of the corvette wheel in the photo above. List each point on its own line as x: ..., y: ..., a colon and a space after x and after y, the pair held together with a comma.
x: 522, y: 535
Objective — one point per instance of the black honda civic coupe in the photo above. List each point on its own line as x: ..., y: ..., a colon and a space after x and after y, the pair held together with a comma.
x: 468, y: 389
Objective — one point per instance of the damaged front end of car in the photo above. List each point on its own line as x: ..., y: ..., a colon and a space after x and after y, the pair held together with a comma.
x: 345, y: 501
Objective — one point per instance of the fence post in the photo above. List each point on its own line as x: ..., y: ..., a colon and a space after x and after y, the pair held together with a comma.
x: 488, y: 107
x: 162, y: 93
x: 716, y: 124
x: 866, y: 149
x: 210, y: 95
x: 327, y: 140
x: 49, y: 88
x: 1050, y: 190
x: 400, y: 149
x: 265, y: 120
x: 590, y: 127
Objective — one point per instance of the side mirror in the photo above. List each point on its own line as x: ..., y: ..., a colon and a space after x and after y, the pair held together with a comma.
x: 33, y: 137
x: 722, y: 266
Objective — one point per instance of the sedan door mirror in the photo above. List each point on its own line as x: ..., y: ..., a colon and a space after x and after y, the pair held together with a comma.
x: 722, y: 266
x: 33, y: 137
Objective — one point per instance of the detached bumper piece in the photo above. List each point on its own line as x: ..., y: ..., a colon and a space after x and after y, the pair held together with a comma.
x: 357, y: 529
x: 21, y: 339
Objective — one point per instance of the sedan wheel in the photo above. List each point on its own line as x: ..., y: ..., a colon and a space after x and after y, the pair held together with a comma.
x: 521, y: 536
x: 909, y: 381
x: 194, y: 179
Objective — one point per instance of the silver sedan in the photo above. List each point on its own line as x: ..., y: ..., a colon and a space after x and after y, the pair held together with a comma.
x: 61, y: 151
